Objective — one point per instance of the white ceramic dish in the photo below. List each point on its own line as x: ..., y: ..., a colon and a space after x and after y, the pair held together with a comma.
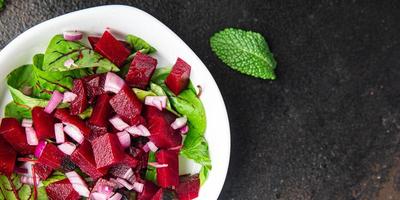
x: 123, y: 20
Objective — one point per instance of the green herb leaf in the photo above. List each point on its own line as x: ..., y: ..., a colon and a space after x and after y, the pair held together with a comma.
x: 151, y: 172
x: 244, y: 51
x: 60, y: 50
x: 138, y: 44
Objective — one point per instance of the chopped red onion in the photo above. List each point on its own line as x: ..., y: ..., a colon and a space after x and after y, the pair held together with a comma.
x: 74, y: 133
x: 67, y: 147
x: 105, y: 189
x: 128, y: 174
x: 138, y: 187
x: 29, y: 180
x: 157, y: 165
x: 118, y: 123
x: 124, y: 139
x: 138, y: 130
x: 69, y: 63
x: 78, y: 184
x: 152, y: 146
x: 31, y: 136
x: 179, y: 123
x: 39, y: 148
x: 113, y: 83
x: 159, y: 102
x: 146, y: 148
x: 55, y: 99
x: 59, y: 132
x: 26, y: 123
x: 98, y: 196
x: 125, y: 183
x: 118, y: 185
x: 184, y: 129
x: 116, y: 196
x: 69, y: 97
x: 72, y: 35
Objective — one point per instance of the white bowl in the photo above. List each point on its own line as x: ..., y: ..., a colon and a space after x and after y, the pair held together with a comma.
x: 123, y: 20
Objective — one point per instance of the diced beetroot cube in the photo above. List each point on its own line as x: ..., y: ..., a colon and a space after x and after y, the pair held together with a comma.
x: 129, y: 161
x: 52, y: 156
x: 80, y: 103
x: 101, y: 111
x: 43, y: 123
x: 162, y: 134
x: 112, y: 49
x: 126, y: 105
x: 14, y: 134
x: 149, y: 190
x: 188, y: 187
x: 7, y: 158
x: 119, y: 170
x: 178, y: 79
x: 165, y: 194
x: 107, y: 151
x: 168, y: 176
x: 94, y: 85
x: 94, y: 39
x: 84, y: 158
x: 64, y: 116
x: 141, y: 70
x: 61, y: 190
x: 42, y: 170
x: 139, y: 155
x: 97, y: 131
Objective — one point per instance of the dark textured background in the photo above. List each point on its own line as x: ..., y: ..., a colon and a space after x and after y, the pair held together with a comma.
x: 327, y: 128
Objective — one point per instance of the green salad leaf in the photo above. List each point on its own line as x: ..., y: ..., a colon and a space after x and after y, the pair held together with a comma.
x: 151, y: 172
x: 138, y: 44
x: 142, y: 94
x: 2, y: 5
x: 61, y: 50
x: 18, y: 111
x: 244, y: 51
x: 86, y: 113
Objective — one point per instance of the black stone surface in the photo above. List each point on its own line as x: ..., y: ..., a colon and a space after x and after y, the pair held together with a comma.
x: 328, y: 127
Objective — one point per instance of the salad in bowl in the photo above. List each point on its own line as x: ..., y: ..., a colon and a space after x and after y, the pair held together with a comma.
x: 101, y: 120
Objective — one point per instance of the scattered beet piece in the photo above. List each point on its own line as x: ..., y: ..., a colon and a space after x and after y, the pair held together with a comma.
x: 126, y: 105
x: 168, y: 176
x: 84, y: 158
x: 52, y: 156
x: 162, y: 134
x: 112, y: 49
x: 43, y: 123
x: 42, y: 170
x: 129, y: 161
x: 165, y: 194
x: 14, y: 134
x: 139, y: 155
x: 149, y: 190
x: 188, y: 187
x: 178, y: 78
x: 7, y: 158
x: 94, y: 85
x: 61, y: 190
x: 97, y: 131
x: 94, y: 39
x: 64, y: 116
x: 101, y: 111
x: 141, y: 70
x: 107, y: 151
x: 80, y: 103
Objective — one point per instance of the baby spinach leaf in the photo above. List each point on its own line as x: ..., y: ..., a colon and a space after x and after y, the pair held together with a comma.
x: 203, y: 174
x: 86, y: 113
x: 160, y: 74
x: 17, y: 111
x: 13, y: 189
x: 159, y: 91
x: 142, y: 94
x: 151, y: 172
x: 60, y: 50
x: 196, y: 148
x: 138, y: 44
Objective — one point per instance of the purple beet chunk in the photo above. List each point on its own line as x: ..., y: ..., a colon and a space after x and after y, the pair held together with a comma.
x: 61, y: 190
x: 107, y: 151
x: 43, y: 123
x: 94, y: 39
x: 64, y: 116
x: 97, y: 131
x: 101, y: 111
x: 178, y: 78
x: 140, y: 71
x: 112, y: 49
x: 94, y: 85
x: 80, y: 103
x: 42, y: 170
x: 14, y: 134
x: 8, y: 157
x: 84, y: 158
x: 149, y: 190
x: 168, y: 176
x: 127, y: 105
x: 51, y: 156
x: 163, y: 194
x: 188, y: 187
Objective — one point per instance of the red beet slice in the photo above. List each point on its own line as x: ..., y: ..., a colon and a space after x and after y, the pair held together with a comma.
x: 14, y: 134
x: 94, y: 39
x: 61, y: 190
x: 178, y: 79
x: 168, y: 176
x: 43, y: 123
x: 107, y: 151
x: 7, y: 157
x: 64, y: 116
x: 94, y: 85
x: 149, y: 190
x: 97, y: 131
x: 139, y: 155
x: 83, y: 157
x: 127, y: 105
x: 188, y: 187
x: 51, y: 156
x: 42, y: 170
x: 101, y: 111
x: 163, y: 194
x: 112, y: 49
x: 141, y: 70
x: 129, y: 161
x: 80, y: 103
x: 162, y: 134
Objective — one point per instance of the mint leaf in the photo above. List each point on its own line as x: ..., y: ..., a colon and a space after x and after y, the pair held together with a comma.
x: 138, y: 44
x: 244, y: 51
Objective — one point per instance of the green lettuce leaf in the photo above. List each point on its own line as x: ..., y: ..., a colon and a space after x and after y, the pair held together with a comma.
x: 60, y: 50
x: 18, y: 111
x: 138, y: 44
x: 142, y: 94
